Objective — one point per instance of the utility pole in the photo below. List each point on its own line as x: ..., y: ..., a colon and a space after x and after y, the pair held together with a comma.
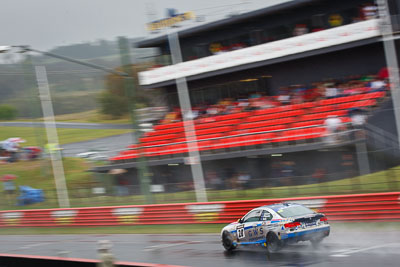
x: 130, y: 88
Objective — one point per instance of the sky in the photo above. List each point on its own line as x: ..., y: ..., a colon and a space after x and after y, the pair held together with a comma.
x: 45, y: 24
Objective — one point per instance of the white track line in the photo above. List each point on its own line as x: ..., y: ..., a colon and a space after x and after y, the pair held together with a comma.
x: 352, y: 251
x: 161, y: 246
x: 34, y: 245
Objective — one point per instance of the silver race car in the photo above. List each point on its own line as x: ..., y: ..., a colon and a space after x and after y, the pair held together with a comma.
x: 276, y: 225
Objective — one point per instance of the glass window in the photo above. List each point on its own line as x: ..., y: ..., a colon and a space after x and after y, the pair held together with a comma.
x: 266, y: 216
x: 252, y: 216
x: 294, y: 211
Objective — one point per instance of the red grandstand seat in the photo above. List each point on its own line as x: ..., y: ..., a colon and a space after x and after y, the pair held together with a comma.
x: 208, y: 125
x: 259, y: 124
x: 151, y: 151
x: 168, y: 125
x: 257, y: 139
x: 307, y: 123
x: 204, y: 145
x: 214, y: 130
x: 166, y: 131
x: 315, y: 132
x: 208, y: 136
x: 267, y: 111
x: 159, y: 137
x: 227, y: 142
x: 323, y: 108
x: 232, y: 116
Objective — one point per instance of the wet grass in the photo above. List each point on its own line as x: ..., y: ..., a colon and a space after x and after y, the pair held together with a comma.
x: 35, y: 135
x: 38, y: 174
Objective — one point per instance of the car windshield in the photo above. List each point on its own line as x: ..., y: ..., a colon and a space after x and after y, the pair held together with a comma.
x: 294, y: 211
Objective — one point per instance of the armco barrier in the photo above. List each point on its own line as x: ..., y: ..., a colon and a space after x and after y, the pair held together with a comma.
x: 361, y: 207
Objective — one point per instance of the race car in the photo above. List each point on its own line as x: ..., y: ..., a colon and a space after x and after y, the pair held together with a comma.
x: 276, y: 225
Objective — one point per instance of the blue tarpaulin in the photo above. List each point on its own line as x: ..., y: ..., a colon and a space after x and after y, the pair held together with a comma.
x: 29, y: 195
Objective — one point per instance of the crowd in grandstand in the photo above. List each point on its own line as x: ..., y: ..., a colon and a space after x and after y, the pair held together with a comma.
x: 366, y: 12
x: 295, y: 94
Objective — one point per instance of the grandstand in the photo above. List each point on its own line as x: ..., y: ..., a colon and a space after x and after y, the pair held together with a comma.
x: 263, y: 87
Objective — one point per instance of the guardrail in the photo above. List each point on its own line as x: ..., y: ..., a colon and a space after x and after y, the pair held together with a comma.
x: 360, y: 207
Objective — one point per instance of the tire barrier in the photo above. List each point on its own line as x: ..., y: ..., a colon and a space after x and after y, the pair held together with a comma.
x: 360, y: 207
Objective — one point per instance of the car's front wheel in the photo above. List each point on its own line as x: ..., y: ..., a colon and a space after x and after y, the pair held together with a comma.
x: 273, y: 243
x: 227, y: 241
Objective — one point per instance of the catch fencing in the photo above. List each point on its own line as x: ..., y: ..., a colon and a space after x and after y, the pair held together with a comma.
x: 359, y: 207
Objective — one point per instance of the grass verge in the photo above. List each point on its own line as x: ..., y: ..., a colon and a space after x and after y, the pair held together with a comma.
x: 38, y: 173
x: 90, y: 116
x: 33, y: 135
x: 80, y: 182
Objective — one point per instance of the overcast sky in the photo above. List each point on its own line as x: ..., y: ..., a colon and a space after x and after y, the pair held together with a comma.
x: 44, y: 24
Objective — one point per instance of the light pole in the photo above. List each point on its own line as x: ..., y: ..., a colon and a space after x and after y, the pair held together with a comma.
x: 143, y: 173
x: 194, y: 159
x: 389, y: 47
x: 129, y: 85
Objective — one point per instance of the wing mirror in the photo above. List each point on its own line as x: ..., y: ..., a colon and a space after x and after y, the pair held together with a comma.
x: 239, y: 221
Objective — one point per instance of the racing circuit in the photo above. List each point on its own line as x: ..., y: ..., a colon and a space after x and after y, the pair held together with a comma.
x: 348, y: 245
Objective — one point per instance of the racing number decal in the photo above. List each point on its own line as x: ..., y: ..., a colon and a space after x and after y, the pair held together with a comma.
x: 240, y: 231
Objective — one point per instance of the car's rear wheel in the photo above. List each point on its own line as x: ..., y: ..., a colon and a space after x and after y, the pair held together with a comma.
x: 273, y: 243
x: 227, y: 241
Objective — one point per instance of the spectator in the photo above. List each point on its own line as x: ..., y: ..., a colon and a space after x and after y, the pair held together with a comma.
x: 383, y: 73
x: 358, y: 117
x: 300, y: 29
x: 377, y: 85
x: 348, y: 165
x: 191, y: 115
x: 212, y: 110
x: 287, y: 172
x: 244, y: 180
x: 105, y: 255
x: 319, y: 175
x: 214, y: 180
x: 284, y: 96
x: 9, y: 190
x: 331, y: 91
x: 333, y: 124
x: 369, y: 11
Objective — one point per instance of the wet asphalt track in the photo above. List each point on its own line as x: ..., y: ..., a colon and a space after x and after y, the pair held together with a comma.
x: 343, y: 248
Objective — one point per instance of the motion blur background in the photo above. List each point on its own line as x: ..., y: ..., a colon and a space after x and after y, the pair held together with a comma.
x: 180, y: 101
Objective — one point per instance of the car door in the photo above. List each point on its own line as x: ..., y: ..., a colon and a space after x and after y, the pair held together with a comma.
x: 249, y: 231
x: 267, y: 222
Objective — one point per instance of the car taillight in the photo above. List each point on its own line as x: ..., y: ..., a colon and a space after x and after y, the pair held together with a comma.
x: 291, y: 225
x: 323, y: 219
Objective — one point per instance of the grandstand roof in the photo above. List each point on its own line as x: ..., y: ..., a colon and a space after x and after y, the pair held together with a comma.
x: 150, y: 42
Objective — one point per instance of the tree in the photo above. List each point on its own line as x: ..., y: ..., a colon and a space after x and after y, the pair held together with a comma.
x: 7, y: 112
x: 114, y: 100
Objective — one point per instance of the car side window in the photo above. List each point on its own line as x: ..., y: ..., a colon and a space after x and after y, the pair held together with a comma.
x: 253, y: 216
x: 266, y: 216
